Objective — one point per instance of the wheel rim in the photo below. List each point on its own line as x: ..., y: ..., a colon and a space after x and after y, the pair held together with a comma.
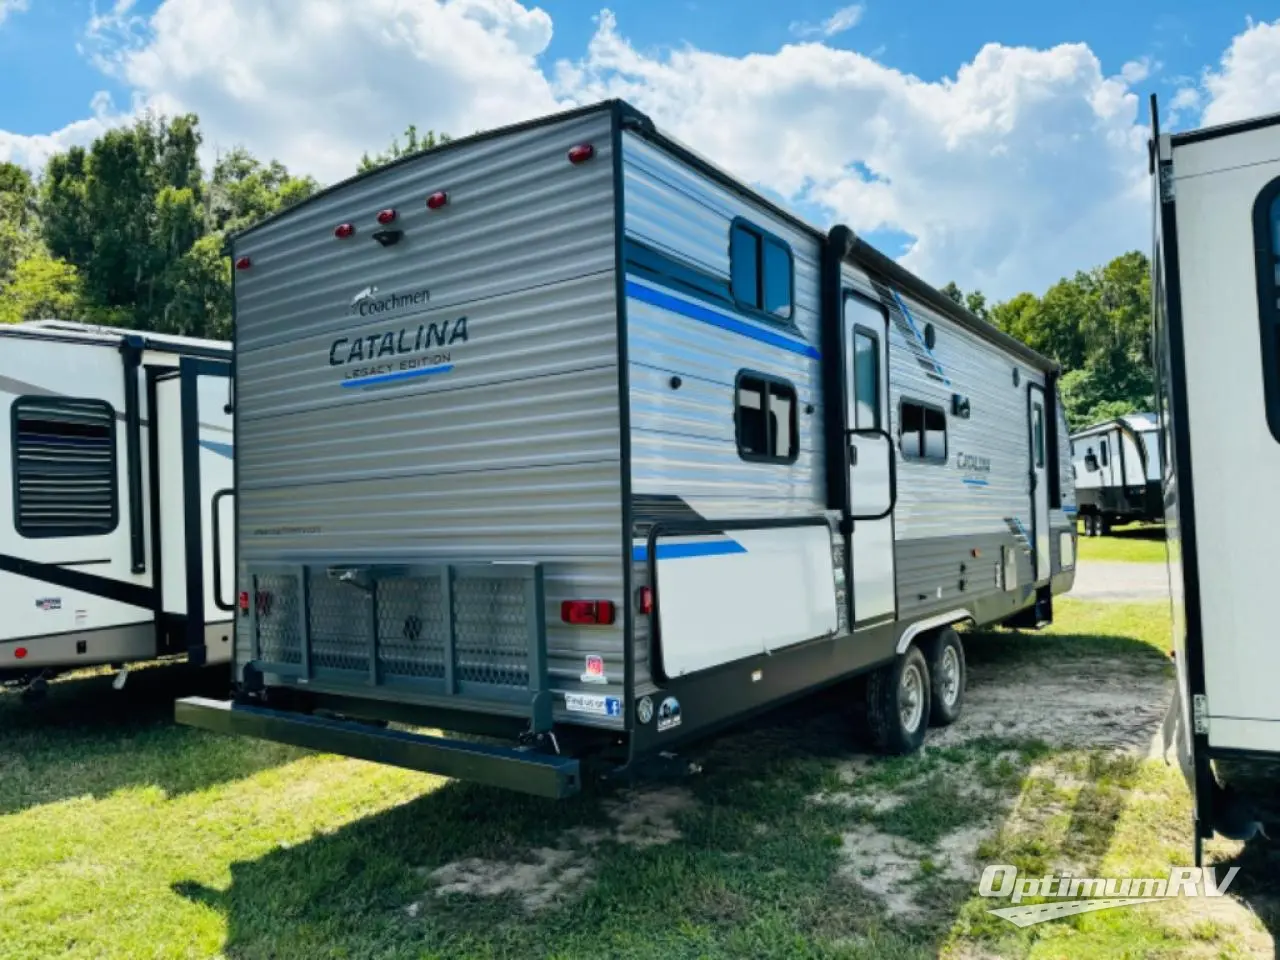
x: 949, y: 676
x: 911, y: 698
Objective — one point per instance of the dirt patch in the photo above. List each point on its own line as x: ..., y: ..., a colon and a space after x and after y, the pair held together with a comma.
x: 548, y: 875
x: 1098, y: 702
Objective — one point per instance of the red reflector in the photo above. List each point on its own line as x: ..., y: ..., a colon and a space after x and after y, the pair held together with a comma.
x: 20, y: 652
x: 582, y: 153
x: 244, y: 601
x: 437, y: 200
x: 587, y: 612
x: 344, y: 230
x: 386, y: 216
x: 646, y: 600
x: 244, y: 263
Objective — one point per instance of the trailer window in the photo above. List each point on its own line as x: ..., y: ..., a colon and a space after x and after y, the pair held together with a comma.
x: 866, y: 380
x: 1102, y: 448
x: 1039, y: 436
x: 762, y: 274
x: 64, y: 467
x: 767, y: 420
x: 1266, y: 244
x: 922, y: 431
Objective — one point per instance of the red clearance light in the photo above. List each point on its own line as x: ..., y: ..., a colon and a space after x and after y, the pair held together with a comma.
x: 344, y: 230
x: 646, y: 600
x: 244, y: 601
x: 386, y: 216
x: 583, y: 612
x: 437, y: 200
x: 582, y: 153
x: 244, y: 263
x: 20, y: 653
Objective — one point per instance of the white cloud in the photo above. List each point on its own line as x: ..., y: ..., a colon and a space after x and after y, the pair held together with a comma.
x: 315, y: 83
x: 846, y: 18
x: 11, y: 6
x: 1247, y: 82
x: 1024, y: 166
x: 33, y: 151
x: 1135, y: 71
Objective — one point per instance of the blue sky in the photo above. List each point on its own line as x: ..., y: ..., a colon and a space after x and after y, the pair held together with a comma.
x: 994, y: 142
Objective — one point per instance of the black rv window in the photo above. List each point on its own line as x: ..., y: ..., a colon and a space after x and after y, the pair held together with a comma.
x: 866, y: 385
x: 1266, y: 243
x: 767, y: 421
x: 1039, y: 435
x: 64, y: 467
x: 761, y: 271
x: 1102, y: 448
x: 922, y: 431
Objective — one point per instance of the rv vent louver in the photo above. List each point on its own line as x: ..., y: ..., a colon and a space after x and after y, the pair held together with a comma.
x: 64, y: 467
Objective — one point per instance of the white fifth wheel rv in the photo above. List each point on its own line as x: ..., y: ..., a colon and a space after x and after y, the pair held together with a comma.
x: 118, y: 450
x: 1117, y: 470
x: 1216, y: 314
x: 563, y: 435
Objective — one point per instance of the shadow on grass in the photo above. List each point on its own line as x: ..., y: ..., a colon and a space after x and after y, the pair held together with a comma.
x: 86, y: 738
x: 1134, y: 531
x: 758, y: 868
x: 1258, y: 883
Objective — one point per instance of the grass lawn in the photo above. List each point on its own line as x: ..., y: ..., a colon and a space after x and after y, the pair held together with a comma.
x: 125, y: 836
x: 1135, y: 543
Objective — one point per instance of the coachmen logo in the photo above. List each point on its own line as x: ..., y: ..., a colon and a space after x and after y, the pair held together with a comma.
x: 391, y: 355
x: 367, y: 303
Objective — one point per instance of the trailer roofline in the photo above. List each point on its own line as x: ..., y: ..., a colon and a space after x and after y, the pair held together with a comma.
x: 1224, y: 130
x: 545, y: 121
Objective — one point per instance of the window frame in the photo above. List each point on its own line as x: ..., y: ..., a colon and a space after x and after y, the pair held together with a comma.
x: 874, y: 337
x: 759, y: 309
x: 15, y: 410
x: 946, y: 432
x: 1266, y: 245
x: 769, y: 381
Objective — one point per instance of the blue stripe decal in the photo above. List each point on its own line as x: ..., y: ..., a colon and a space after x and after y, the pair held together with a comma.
x: 221, y: 449
x: 975, y: 483
x: 696, y: 311
x: 1021, y: 529
x: 399, y: 375
x: 911, y: 322
x: 1070, y: 510
x: 680, y: 551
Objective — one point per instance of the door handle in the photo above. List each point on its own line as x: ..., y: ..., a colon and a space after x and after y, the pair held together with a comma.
x: 853, y: 454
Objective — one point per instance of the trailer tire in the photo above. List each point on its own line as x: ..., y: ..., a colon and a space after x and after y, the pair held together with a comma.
x: 896, y: 707
x: 1104, y: 526
x: 948, y: 674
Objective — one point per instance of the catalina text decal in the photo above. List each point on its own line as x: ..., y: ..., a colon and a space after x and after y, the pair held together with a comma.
x: 391, y: 355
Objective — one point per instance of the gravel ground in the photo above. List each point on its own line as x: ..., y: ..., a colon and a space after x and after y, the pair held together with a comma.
x: 1120, y: 582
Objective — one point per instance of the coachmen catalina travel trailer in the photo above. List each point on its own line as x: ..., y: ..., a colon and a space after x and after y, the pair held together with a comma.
x: 118, y: 548
x: 1117, y: 471
x: 1216, y: 313
x: 562, y: 435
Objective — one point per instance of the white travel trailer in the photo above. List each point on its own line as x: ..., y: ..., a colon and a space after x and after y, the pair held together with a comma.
x: 563, y: 435
x: 1117, y: 470
x: 1216, y: 314
x: 119, y: 467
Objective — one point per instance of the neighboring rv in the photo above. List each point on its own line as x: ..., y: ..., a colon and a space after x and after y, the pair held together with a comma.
x: 119, y: 469
x: 561, y: 435
x: 1215, y: 292
x: 1117, y: 470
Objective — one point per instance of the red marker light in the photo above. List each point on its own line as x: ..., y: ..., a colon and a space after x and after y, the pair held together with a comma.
x: 20, y: 652
x: 244, y: 263
x: 244, y: 601
x: 646, y: 600
x: 344, y: 230
x: 386, y: 216
x: 582, y: 153
x: 584, y: 612
x: 437, y: 200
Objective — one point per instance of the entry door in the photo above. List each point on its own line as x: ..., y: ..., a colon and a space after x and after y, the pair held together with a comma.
x: 194, y: 447
x: 1039, y: 484
x: 866, y: 329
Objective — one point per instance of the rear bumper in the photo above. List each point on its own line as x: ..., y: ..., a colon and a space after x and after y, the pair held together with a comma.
x: 510, y: 768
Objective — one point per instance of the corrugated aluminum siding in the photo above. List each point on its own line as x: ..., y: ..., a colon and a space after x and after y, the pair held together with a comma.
x: 683, y: 441
x: 514, y: 453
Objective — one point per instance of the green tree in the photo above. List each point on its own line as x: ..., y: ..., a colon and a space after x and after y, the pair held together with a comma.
x: 18, y: 225
x: 413, y: 143
x: 42, y: 287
